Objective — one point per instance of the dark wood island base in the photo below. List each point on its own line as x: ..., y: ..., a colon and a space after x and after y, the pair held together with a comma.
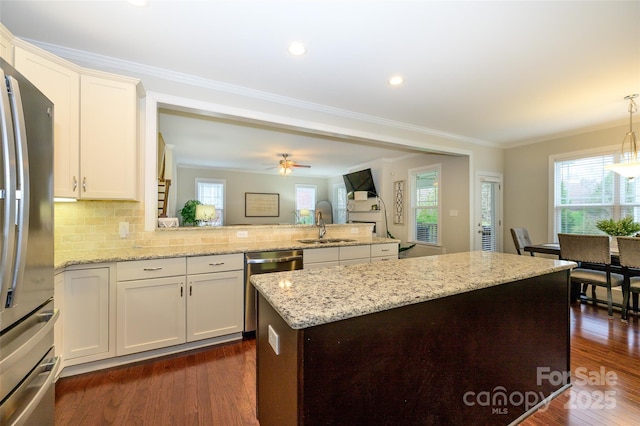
x: 488, y: 356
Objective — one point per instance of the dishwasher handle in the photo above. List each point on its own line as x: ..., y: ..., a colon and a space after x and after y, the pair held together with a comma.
x: 275, y: 260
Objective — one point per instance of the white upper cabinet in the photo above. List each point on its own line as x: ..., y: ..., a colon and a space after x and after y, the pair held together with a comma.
x: 6, y: 47
x: 108, y: 135
x: 61, y: 84
x: 95, y: 125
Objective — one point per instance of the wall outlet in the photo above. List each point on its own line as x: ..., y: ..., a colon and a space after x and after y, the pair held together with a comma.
x: 242, y: 234
x: 124, y: 229
x: 274, y: 340
x: 354, y: 230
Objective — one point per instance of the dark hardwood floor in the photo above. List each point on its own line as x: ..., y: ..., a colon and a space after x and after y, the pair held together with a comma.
x: 216, y: 386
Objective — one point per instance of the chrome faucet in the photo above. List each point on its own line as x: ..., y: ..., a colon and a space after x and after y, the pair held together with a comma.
x: 320, y: 224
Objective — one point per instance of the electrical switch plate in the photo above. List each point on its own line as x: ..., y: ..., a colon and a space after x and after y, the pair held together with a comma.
x: 124, y: 229
x: 274, y: 340
x: 242, y: 234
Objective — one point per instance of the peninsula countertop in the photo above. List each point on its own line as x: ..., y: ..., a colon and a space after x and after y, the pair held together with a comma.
x: 314, y: 297
x: 79, y: 257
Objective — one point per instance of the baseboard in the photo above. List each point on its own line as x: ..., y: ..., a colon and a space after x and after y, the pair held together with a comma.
x: 142, y: 356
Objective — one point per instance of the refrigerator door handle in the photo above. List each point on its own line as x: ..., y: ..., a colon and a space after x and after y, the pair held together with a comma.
x: 50, y: 367
x: 22, y: 186
x: 39, y: 331
x: 8, y: 184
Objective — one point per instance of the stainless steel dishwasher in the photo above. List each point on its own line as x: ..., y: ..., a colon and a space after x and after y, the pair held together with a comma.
x: 262, y: 263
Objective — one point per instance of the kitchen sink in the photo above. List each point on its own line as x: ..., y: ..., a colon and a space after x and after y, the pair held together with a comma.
x: 325, y: 240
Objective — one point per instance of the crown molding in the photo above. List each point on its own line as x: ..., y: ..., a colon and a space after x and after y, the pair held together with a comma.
x: 568, y: 133
x: 152, y: 71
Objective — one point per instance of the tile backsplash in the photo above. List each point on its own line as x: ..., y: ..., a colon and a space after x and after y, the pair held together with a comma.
x: 94, y: 225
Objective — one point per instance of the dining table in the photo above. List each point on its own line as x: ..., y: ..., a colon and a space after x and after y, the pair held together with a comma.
x: 554, y: 249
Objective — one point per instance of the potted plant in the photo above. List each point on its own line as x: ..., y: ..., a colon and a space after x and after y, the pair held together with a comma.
x: 618, y: 228
x: 188, y: 212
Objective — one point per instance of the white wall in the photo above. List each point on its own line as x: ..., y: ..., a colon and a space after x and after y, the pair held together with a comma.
x: 193, y: 93
x: 455, y: 185
x: 237, y: 183
x: 526, y: 183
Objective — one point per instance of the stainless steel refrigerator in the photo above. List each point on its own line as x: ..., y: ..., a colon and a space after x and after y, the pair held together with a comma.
x: 27, y: 361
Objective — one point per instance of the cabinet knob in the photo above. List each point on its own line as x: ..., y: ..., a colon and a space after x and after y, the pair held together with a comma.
x: 84, y: 184
x: 74, y: 185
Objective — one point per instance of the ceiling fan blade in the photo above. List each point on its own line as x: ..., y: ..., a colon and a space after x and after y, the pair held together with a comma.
x: 300, y: 165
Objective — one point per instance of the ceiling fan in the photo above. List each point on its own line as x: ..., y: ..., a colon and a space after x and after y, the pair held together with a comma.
x: 285, y: 166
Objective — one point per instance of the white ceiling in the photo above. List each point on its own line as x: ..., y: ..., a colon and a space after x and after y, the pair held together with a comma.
x: 498, y: 73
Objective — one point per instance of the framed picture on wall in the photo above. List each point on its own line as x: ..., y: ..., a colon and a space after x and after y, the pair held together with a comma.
x: 261, y: 204
x: 398, y: 202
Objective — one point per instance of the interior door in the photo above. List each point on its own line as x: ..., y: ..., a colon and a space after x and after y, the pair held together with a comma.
x: 489, y: 212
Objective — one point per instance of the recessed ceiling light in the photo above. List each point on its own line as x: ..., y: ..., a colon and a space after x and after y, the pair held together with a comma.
x: 396, y: 80
x: 297, y: 49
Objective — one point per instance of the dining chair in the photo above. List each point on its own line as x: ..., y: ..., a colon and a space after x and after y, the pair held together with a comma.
x: 592, y: 252
x: 629, y: 251
x: 521, y: 239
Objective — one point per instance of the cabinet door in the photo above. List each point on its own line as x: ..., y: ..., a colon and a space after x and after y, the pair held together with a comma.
x: 58, y: 303
x: 62, y: 86
x: 6, y: 46
x: 215, y: 305
x: 108, y: 137
x: 85, y: 325
x: 150, y: 314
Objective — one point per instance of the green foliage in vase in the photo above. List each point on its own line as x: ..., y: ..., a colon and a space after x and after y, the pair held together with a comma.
x: 188, y: 212
x: 618, y: 228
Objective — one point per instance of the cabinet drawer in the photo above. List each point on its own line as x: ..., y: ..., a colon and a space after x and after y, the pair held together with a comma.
x: 320, y: 264
x: 325, y: 254
x: 355, y: 252
x: 387, y: 250
x: 215, y: 263
x: 354, y: 261
x: 154, y: 268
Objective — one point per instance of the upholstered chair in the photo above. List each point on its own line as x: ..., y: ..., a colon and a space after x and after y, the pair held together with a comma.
x: 592, y: 252
x: 521, y: 239
x: 629, y: 250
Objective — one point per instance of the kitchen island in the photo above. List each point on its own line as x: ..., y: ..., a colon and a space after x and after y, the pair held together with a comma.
x: 466, y: 338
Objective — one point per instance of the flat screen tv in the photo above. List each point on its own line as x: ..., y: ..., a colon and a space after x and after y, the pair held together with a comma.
x: 360, y: 181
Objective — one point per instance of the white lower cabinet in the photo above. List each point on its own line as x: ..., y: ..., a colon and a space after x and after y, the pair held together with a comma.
x: 215, y: 305
x: 320, y: 257
x: 151, y: 314
x: 382, y: 252
x: 166, y: 302
x: 150, y: 304
x: 85, y: 302
x: 353, y: 255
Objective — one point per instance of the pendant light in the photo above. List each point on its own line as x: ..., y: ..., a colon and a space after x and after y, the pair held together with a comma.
x: 629, y: 166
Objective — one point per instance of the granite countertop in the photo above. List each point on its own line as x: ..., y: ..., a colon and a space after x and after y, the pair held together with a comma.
x: 79, y: 257
x: 318, y: 296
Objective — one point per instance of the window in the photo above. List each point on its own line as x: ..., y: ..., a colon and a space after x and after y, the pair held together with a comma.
x: 424, y: 188
x: 339, y: 203
x: 305, y: 204
x: 585, y: 192
x: 211, y: 191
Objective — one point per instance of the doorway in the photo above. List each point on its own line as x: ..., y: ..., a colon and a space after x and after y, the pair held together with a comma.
x: 489, y: 212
